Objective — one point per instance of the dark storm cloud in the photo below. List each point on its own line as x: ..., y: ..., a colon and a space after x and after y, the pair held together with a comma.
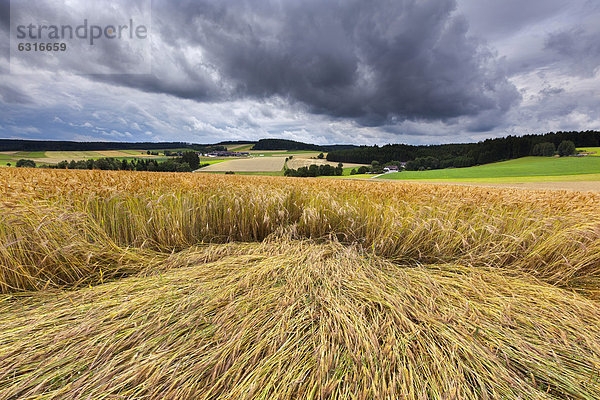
x: 4, y: 14
x: 379, y: 62
x: 86, y: 52
x: 4, y: 35
x: 577, y: 50
x: 376, y: 62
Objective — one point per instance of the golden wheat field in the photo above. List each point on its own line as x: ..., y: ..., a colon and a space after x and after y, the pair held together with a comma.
x: 131, y: 285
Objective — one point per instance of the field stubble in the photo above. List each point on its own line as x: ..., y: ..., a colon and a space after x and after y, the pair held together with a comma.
x: 147, y: 285
x: 253, y: 164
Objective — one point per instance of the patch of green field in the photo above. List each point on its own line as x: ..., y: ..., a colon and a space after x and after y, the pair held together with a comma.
x: 359, y: 176
x: 135, y: 152
x: 533, y: 168
x: 211, y: 162
x: 30, y: 154
x: 595, y: 150
x: 209, y: 159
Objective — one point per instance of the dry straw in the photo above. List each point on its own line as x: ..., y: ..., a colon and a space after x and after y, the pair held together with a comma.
x: 196, y: 286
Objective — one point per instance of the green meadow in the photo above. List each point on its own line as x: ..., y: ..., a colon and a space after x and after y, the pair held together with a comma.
x: 594, y: 151
x: 211, y: 161
x: 524, y: 169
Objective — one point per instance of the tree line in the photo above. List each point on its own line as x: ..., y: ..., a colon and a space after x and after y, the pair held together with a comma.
x: 467, y: 154
x: 188, y: 162
x: 284, y: 144
x: 51, y: 145
x: 315, y: 170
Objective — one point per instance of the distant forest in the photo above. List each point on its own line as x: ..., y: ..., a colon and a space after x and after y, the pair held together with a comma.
x: 463, y: 155
x: 188, y: 162
x: 50, y: 145
x: 283, y: 144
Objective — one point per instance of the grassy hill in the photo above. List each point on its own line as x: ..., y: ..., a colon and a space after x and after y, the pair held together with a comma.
x: 526, y: 168
x: 594, y: 151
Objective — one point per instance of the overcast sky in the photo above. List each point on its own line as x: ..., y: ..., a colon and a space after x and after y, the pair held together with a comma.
x: 346, y: 71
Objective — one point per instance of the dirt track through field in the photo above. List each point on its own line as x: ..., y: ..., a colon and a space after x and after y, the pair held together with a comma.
x: 581, y: 186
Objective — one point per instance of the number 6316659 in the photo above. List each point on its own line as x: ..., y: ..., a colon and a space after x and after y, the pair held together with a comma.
x: 42, y: 46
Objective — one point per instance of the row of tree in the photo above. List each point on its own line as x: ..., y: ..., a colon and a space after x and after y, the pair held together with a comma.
x: 188, y: 162
x: 315, y: 170
x: 548, y: 149
x: 464, y: 155
x: 112, y: 164
x: 284, y: 144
